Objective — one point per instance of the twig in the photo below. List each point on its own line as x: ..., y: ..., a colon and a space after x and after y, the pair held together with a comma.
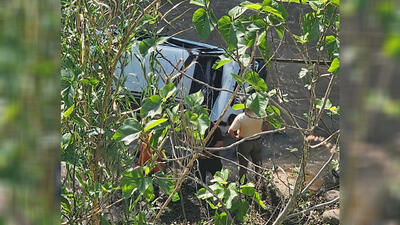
x: 182, y: 205
x: 324, y: 142
x: 275, y: 210
x: 319, y: 172
x: 333, y: 152
x: 287, y: 178
x: 313, y: 207
x: 241, y: 140
x: 95, y: 212
x: 328, y: 91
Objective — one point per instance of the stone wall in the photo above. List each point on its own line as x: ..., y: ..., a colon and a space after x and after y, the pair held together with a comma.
x: 283, y: 74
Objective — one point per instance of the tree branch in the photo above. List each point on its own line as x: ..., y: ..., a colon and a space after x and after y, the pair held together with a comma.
x: 314, y: 207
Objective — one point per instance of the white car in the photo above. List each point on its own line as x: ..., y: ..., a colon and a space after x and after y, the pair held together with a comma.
x: 201, y: 57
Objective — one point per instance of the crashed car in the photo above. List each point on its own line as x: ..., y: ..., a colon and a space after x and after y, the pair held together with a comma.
x: 196, y: 60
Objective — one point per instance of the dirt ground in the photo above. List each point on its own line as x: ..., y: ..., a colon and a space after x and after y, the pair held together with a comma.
x: 275, y: 155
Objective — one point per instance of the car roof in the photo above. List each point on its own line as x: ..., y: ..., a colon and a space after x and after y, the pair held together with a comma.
x: 194, y: 46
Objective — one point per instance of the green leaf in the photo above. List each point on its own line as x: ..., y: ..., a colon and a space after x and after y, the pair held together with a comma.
x: 143, y: 183
x: 334, y: 68
x: 140, y: 219
x: 148, y: 18
x: 151, y: 106
x: 279, y: 30
x: 221, y: 219
x: 224, y: 174
x: 272, y: 11
x: 128, y: 187
x: 212, y: 205
x: 219, y: 180
x: 91, y: 81
x: 319, y: 102
x: 203, y: 122
x: 254, y: 79
x: 198, y: 2
x: 230, y: 194
x: 66, y: 140
x: 175, y: 197
x: 336, y: 2
x: 266, y: 2
x: 291, y: 149
x: 259, y: 201
x: 277, y: 6
x: 218, y: 189
x: 301, y: 39
x: 250, y: 35
x: 242, y: 179
x: 239, y: 209
x: 68, y: 112
x: 167, y: 91
x: 236, y: 11
x: 145, y: 45
x: 195, y: 99
x: 311, y: 26
x: 335, y: 110
x: 149, y: 193
x: 251, y: 5
x: 148, y: 45
x: 65, y: 204
x: 130, y: 126
x: 223, y: 59
x: 275, y: 120
x: 257, y: 103
x: 332, y: 46
x: 133, y: 181
x: 248, y: 189
x: 201, y: 22
x: 221, y: 177
x: 260, y: 24
x: 228, y: 31
x: 130, y: 138
x: 245, y: 59
x: 237, y: 78
x: 204, y: 194
x: 213, y: 19
x: 238, y: 106
x: 153, y: 123
x: 316, y: 5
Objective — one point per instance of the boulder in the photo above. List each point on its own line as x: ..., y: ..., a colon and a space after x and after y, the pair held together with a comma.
x: 331, y: 216
x: 331, y: 194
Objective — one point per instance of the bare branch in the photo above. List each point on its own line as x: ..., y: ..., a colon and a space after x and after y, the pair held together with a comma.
x: 314, y: 207
x: 325, y: 141
x: 241, y: 140
x: 327, y: 93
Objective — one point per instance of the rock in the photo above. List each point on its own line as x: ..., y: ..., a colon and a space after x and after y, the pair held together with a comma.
x: 286, y: 177
x: 332, y: 194
x: 331, y: 216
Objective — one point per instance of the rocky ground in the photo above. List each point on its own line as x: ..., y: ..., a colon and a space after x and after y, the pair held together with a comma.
x: 276, y: 155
